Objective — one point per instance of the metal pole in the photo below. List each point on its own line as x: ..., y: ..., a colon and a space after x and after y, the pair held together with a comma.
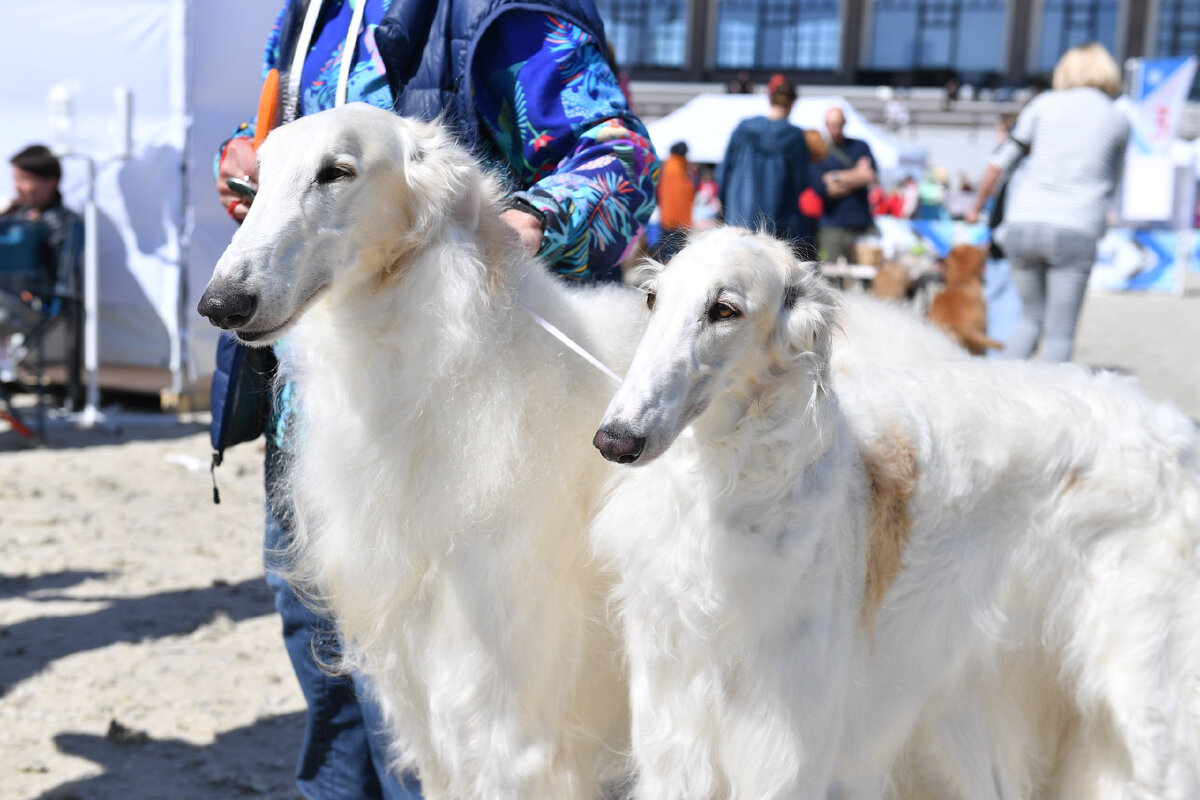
x: 1183, y: 251
x: 1185, y: 196
x: 91, y: 350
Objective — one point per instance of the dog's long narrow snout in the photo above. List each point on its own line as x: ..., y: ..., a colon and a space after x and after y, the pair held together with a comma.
x: 227, y: 307
x: 618, y: 442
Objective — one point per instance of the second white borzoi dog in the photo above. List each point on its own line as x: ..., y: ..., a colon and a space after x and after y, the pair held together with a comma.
x: 999, y: 559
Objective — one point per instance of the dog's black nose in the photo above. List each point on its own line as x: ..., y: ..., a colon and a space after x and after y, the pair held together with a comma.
x: 226, y: 308
x: 618, y: 443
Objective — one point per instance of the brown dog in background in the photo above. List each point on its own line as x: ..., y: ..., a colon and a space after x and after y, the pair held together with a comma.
x: 959, y: 309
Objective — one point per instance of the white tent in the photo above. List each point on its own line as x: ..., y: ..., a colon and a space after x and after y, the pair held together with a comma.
x: 194, y: 70
x: 707, y: 120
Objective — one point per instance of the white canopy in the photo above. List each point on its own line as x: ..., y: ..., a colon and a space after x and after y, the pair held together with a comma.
x: 706, y: 122
x: 194, y: 70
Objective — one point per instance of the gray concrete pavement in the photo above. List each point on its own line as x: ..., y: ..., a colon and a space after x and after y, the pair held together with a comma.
x: 1156, y: 338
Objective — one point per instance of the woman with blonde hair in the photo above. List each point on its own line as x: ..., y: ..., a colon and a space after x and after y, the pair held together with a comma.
x: 1088, y: 65
x: 1074, y: 137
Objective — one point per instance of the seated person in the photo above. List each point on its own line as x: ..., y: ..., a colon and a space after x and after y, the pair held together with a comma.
x: 36, y: 174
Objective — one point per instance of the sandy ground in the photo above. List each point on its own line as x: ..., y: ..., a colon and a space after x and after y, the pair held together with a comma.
x: 140, y: 655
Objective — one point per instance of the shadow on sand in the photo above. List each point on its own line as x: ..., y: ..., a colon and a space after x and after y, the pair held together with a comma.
x: 28, y: 647
x: 256, y: 761
x: 25, y: 585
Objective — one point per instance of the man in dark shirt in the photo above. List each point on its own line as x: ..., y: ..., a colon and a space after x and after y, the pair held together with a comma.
x: 842, y: 180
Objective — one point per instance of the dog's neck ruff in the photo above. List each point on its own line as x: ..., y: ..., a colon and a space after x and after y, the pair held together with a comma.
x: 769, y: 446
x: 571, y: 343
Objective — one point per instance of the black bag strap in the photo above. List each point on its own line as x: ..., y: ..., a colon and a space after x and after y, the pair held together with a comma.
x: 841, y: 155
x: 240, y: 397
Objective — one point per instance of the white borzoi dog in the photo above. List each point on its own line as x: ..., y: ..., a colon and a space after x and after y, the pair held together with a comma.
x: 443, y: 477
x: 999, y: 560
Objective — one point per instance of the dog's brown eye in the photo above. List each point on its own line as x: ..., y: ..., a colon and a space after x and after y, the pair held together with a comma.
x: 720, y: 311
x: 650, y: 296
x: 334, y: 172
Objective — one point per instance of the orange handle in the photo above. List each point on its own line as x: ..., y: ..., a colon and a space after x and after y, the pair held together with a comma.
x: 268, y: 108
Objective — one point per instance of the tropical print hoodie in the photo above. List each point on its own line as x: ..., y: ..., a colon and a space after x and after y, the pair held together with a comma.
x: 555, y: 118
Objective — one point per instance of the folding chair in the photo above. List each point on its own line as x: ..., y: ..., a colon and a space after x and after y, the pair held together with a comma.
x: 38, y: 290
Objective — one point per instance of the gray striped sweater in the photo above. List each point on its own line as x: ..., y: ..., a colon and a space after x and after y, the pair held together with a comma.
x: 1076, y: 140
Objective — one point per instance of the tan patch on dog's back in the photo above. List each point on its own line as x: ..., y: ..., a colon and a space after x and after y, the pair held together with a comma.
x: 891, y: 472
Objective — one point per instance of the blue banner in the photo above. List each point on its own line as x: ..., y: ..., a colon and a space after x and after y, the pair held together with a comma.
x: 1160, y: 89
x: 1142, y: 261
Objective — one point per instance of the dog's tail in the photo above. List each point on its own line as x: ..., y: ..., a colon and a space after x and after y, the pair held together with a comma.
x: 977, y: 342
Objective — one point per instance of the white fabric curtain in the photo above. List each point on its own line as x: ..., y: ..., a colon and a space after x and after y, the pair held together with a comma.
x: 193, y: 67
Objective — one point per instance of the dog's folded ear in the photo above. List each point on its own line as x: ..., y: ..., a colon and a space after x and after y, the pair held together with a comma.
x: 412, y: 145
x: 807, y: 313
x: 437, y: 183
x: 644, y: 272
x: 438, y: 187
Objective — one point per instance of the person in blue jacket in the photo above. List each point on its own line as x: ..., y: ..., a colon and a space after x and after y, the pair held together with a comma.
x: 765, y: 168
x: 527, y: 86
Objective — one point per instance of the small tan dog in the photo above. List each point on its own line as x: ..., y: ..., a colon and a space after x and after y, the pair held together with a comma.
x: 959, y: 309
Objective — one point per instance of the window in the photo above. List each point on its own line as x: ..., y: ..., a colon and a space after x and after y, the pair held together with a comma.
x: 1067, y: 23
x: 961, y: 35
x: 1178, y: 33
x: 778, y: 34
x: 646, y: 33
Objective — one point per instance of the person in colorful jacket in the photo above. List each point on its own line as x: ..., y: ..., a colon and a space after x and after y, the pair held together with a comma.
x: 528, y: 88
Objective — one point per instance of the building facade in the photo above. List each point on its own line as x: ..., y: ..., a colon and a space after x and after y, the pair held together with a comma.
x: 987, y: 43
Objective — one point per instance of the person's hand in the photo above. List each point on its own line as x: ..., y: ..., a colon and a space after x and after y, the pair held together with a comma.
x: 864, y: 173
x: 835, y: 187
x: 528, y: 228
x: 239, y: 161
x: 972, y: 215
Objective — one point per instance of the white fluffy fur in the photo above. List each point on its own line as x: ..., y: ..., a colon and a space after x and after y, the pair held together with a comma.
x: 737, y: 550
x: 444, y: 479
x: 1041, y: 635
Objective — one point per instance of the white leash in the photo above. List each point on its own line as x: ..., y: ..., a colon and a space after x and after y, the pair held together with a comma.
x: 291, y: 104
x: 292, y: 98
x: 571, y: 343
x: 348, y: 52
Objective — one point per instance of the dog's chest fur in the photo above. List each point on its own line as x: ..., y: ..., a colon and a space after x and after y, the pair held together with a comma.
x: 748, y: 553
x: 447, y: 502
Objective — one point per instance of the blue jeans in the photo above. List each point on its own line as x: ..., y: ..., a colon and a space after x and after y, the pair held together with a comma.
x: 344, y: 752
x: 1050, y: 268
